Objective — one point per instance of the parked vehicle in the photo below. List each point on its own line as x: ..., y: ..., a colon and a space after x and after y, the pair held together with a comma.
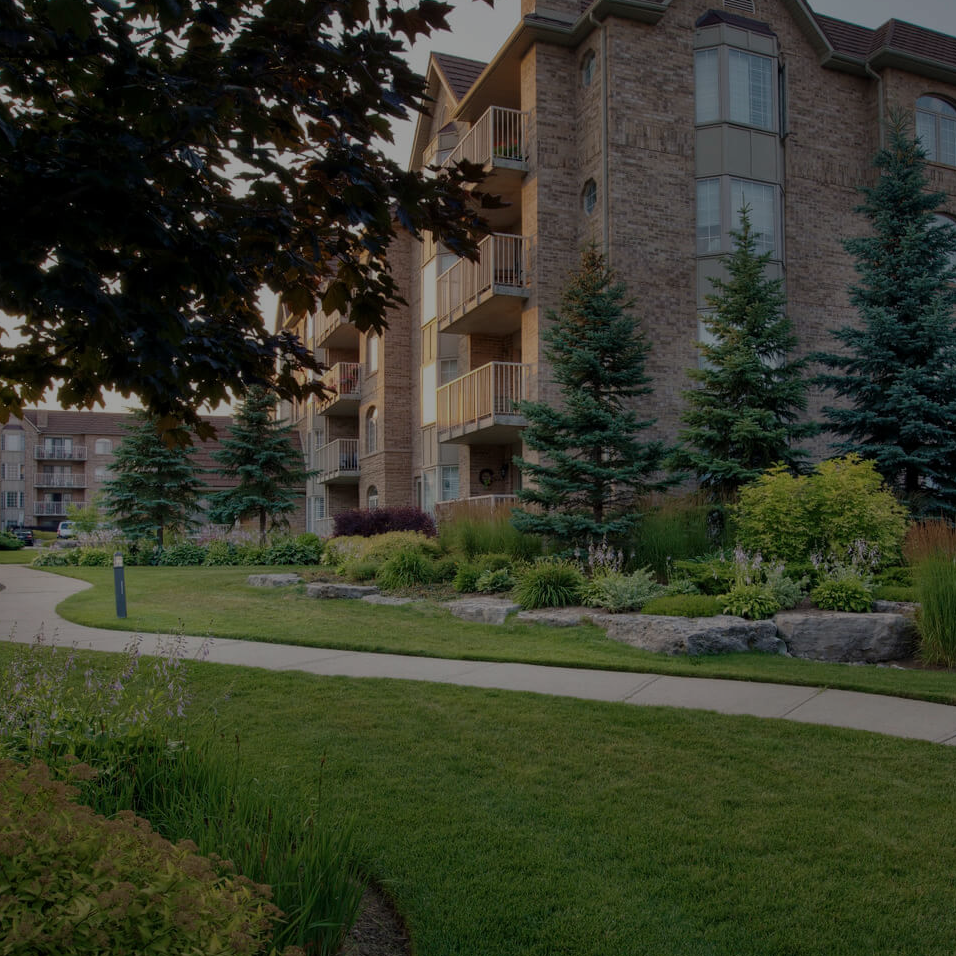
x: 66, y: 529
x: 24, y: 534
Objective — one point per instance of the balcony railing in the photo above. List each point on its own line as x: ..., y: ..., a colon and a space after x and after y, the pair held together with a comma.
x: 345, y: 380
x: 337, y: 461
x: 485, y: 295
x: 51, y: 480
x: 333, y: 331
x: 478, y: 503
x: 484, y: 401
x: 56, y: 509
x: 59, y: 452
x: 499, y: 138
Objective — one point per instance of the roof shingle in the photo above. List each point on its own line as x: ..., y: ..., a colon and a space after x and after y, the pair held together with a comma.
x: 459, y: 72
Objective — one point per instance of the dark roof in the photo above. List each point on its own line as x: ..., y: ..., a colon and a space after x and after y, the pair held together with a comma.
x: 459, y: 73
x: 735, y: 20
x: 96, y: 423
x: 897, y: 35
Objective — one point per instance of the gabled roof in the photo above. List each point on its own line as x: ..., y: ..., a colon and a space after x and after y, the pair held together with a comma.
x: 458, y: 72
x: 895, y: 36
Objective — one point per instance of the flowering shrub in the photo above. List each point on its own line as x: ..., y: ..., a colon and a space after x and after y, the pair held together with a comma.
x: 760, y: 589
x: 846, y: 581
x: 382, y: 520
x: 617, y: 592
x: 599, y: 559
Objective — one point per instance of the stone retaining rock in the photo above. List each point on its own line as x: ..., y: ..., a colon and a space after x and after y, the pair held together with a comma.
x: 692, y: 635
x: 384, y: 599
x: 843, y: 636
x: 347, y: 591
x: 483, y: 610
x: 895, y: 607
x: 558, y: 616
x: 272, y: 580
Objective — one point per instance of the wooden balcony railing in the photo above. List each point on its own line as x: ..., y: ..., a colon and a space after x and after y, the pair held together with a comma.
x: 499, y: 137
x: 501, y: 269
x: 337, y: 458
x: 485, y: 396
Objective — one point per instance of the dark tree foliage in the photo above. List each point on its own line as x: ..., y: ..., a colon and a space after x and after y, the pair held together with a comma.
x: 383, y: 520
x: 592, y: 465
x: 162, y: 161
x: 743, y: 416
x: 897, y: 370
x: 259, y: 455
x: 154, y: 487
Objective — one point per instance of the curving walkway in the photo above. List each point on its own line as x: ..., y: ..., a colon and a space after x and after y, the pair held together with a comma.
x: 28, y: 606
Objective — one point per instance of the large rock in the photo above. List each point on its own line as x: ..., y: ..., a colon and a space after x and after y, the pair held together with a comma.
x: 487, y: 610
x: 325, y: 589
x: 557, y: 616
x: 692, y: 635
x: 385, y: 599
x: 842, y: 636
x: 272, y: 580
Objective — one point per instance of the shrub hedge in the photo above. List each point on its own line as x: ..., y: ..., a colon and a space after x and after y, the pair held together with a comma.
x: 364, y: 523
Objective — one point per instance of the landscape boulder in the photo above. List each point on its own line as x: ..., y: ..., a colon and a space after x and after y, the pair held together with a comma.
x: 326, y: 589
x: 692, y: 635
x: 272, y: 580
x: 843, y: 636
x: 487, y: 610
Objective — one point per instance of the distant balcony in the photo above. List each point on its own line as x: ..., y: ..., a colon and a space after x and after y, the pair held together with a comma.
x: 335, y: 332
x: 55, y: 509
x: 51, y: 480
x: 486, y: 297
x: 476, y: 504
x: 337, y: 462
x: 59, y: 452
x: 345, y: 380
x: 479, y: 408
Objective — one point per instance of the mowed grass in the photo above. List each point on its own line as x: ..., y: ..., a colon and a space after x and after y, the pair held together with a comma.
x: 507, y: 824
x: 218, y: 601
x: 23, y: 556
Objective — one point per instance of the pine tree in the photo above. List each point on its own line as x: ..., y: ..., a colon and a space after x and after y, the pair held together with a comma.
x: 592, y: 466
x: 154, y: 486
x: 744, y: 415
x: 260, y: 456
x: 898, y: 368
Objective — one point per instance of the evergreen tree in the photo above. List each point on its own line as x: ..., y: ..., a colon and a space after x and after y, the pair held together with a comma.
x: 898, y: 368
x: 592, y: 465
x: 260, y: 456
x: 744, y: 415
x: 154, y: 485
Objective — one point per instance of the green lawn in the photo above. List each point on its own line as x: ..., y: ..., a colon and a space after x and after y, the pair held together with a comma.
x: 23, y: 556
x: 509, y: 824
x: 217, y: 601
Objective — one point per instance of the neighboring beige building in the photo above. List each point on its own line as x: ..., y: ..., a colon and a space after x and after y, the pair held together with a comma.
x: 50, y: 460
x: 641, y: 126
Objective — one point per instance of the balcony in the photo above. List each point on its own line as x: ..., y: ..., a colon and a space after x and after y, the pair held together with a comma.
x: 345, y: 380
x: 486, y: 297
x: 479, y: 408
x: 59, y: 452
x: 498, y: 142
x: 53, y: 480
x: 337, y: 462
x: 477, y: 504
x: 55, y: 509
x: 334, y: 332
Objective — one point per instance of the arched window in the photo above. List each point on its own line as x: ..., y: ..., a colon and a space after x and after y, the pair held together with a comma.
x: 589, y: 196
x: 103, y: 446
x: 936, y: 129
x: 587, y: 68
x: 372, y: 498
x: 371, y: 430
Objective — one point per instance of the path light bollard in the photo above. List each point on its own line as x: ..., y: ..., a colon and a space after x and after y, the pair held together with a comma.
x: 119, y: 584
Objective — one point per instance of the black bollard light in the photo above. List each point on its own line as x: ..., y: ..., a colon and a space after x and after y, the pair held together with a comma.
x: 119, y: 583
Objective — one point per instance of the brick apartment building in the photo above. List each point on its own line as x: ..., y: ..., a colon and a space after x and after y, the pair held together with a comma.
x: 642, y: 126
x: 52, y: 459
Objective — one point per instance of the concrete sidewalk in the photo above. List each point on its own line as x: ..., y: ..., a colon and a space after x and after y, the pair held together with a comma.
x: 29, y: 599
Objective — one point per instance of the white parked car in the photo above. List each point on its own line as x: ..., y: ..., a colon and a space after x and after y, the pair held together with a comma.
x: 66, y: 529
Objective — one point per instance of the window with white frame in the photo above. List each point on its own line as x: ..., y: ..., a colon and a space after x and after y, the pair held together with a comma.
x: 587, y: 68
x: 428, y: 491
x: 372, y: 498
x: 13, y: 441
x: 734, y: 86
x: 371, y: 430
x: 449, y: 482
x: 316, y: 511
x: 103, y: 446
x: 11, y: 471
x: 371, y: 353
x: 761, y: 199
x: 936, y: 129
x: 14, y: 499
x: 447, y: 370
x: 708, y: 216
x: 719, y: 202
x: 101, y: 472
x: 429, y: 290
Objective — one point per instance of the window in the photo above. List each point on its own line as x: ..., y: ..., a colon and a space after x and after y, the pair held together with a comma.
x: 719, y: 201
x: 447, y: 370
x: 760, y: 197
x: 429, y: 398
x: 708, y: 216
x: 734, y: 86
x: 936, y: 129
x: 941, y: 220
x: 371, y: 431
x: 11, y: 471
x: 707, y: 88
x: 429, y: 290
x: 10, y: 499
x: 101, y: 473
x: 751, y: 85
x: 13, y: 441
x: 428, y: 491
x: 587, y: 68
x: 372, y: 498
x: 449, y: 483
x: 371, y: 353
x: 589, y: 196
x: 704, y: 337
x: 103, y: 446
x: 316, y: 512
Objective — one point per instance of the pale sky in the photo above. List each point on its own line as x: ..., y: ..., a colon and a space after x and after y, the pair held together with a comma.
x: 477, y: 31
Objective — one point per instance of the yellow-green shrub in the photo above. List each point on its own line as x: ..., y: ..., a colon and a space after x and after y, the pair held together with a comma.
x: 377, y: 548
x: 82, y: 885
